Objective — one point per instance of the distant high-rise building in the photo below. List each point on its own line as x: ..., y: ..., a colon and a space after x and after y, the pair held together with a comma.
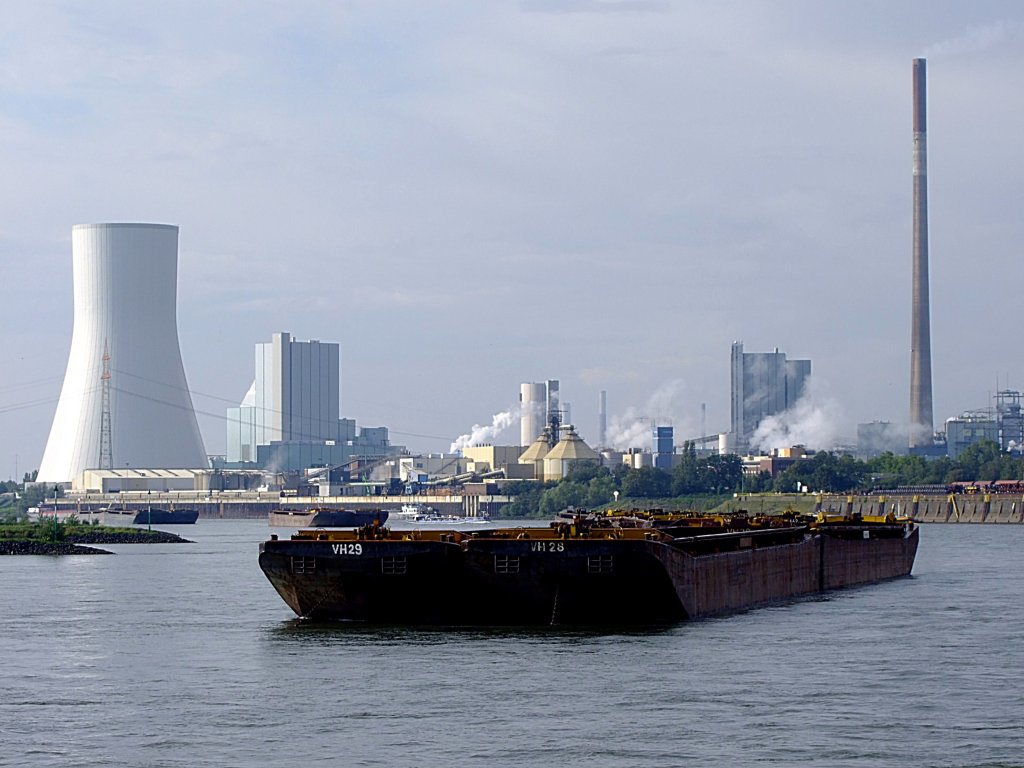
x: 295, y: 397
x: 763, y: 384
x: 288, y: 419
x: 125, y: 401
x: 662, y: 446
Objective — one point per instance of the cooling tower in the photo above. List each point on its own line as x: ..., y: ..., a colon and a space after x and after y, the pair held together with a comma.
x: 139, y: 413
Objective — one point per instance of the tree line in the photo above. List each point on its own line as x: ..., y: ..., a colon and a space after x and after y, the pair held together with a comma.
x: 589, y: 486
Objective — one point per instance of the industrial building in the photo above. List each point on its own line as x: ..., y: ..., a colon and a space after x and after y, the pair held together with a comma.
x: 125, y: 401
x: 554, y: 461
x: 1011, y: 420
x: 968, y: 428
x: 662, y: 447
x: 289, y: 420
x: 538, y: 404
x: 763, y: 384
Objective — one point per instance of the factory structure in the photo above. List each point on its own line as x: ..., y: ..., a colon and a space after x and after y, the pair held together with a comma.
x: 921, y: 422
x: 289, y: 418
x: 125, y: 419
x: 763, y: 384
x: 125, y: 401
x: 539, y: 407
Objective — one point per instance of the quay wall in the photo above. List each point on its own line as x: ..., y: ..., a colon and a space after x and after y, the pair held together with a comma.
x: 954, y: 508
x: 252, y: 505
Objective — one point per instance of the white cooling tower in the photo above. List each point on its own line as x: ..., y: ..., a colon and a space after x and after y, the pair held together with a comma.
x: 125, y: 280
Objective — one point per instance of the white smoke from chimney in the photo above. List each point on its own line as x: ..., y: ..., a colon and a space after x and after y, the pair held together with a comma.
x: 486, y: 433
x: 632, y: 429
x: 814, y: 422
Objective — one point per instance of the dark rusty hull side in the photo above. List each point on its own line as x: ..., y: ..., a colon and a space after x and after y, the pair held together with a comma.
x: 732, y: 581
x: 385, y: 582
x: 569, y: 582
x: 848, y: 561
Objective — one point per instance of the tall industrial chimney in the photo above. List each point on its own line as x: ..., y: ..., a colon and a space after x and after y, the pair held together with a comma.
x: 921, y: 423
x: 602, y: 419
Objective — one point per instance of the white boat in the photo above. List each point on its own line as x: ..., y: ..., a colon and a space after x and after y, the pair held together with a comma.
x: 418, y: 514
x: 409, y: 512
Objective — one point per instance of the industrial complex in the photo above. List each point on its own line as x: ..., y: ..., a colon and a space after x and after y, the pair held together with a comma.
x: 125, y: 422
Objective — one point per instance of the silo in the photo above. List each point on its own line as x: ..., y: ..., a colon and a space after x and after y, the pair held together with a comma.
x: 125, y: 401
x: 533, y: 399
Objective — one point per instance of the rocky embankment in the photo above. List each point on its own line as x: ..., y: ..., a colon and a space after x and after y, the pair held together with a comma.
x: 71, y: 542
x: 97, y: 535
x: 35, y: 547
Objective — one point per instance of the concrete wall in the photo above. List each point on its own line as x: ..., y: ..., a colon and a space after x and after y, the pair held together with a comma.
x: 955, y: 508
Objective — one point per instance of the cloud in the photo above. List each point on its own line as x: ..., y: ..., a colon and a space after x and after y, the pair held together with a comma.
x: 596, y: 6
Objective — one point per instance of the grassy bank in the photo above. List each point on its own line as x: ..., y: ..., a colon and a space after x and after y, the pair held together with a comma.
x: 47, y: 531
x: 752, y: 503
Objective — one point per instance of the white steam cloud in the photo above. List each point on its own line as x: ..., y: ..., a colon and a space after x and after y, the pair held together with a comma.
x: 632, y: 429
x: 814, y: 422
x: 485, y: 433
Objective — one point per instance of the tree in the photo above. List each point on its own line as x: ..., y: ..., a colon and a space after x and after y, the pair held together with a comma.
x: 600, y: 490
x: 686, y: 475
x: 562, y: 496
x: 723, y: 472
x: 526, y: 499
x: 646, y: 483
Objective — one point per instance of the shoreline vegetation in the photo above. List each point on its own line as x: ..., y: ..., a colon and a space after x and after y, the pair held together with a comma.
x: 70, y: 537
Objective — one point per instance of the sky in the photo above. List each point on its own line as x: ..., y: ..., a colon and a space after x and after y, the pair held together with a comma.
x: 467, y: 195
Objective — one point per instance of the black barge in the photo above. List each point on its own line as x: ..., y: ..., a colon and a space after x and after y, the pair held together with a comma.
x: 587, y: 572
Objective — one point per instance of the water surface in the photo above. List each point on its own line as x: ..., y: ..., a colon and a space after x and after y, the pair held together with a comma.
x: 183, y: 655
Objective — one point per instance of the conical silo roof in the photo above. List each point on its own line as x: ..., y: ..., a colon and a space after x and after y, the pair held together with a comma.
x: 572, y: 448
x: 537, y: 451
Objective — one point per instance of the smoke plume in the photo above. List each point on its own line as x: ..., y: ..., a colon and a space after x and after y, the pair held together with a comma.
x: 632, y: 428
x: 814, y: 422
x: 485, y: 433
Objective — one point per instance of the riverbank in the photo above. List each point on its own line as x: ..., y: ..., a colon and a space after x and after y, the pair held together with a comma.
x: 47, y: 538
x: 30, y: 547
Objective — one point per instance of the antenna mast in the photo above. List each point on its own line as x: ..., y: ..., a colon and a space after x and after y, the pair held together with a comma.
x: 106, y: 449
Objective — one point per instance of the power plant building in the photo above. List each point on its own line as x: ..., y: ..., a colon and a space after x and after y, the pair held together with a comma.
x: 289, y: 420
x: 763, y: 384
x: 125, y: 401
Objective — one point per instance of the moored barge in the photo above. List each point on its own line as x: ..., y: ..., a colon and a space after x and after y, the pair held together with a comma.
x: 326, y: 518
x: 588, y: 571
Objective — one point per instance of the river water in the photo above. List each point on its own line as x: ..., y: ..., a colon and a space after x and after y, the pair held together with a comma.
x: 183, y: 655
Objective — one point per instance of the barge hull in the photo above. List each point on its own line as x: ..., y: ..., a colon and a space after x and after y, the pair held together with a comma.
x: 516, y: 580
